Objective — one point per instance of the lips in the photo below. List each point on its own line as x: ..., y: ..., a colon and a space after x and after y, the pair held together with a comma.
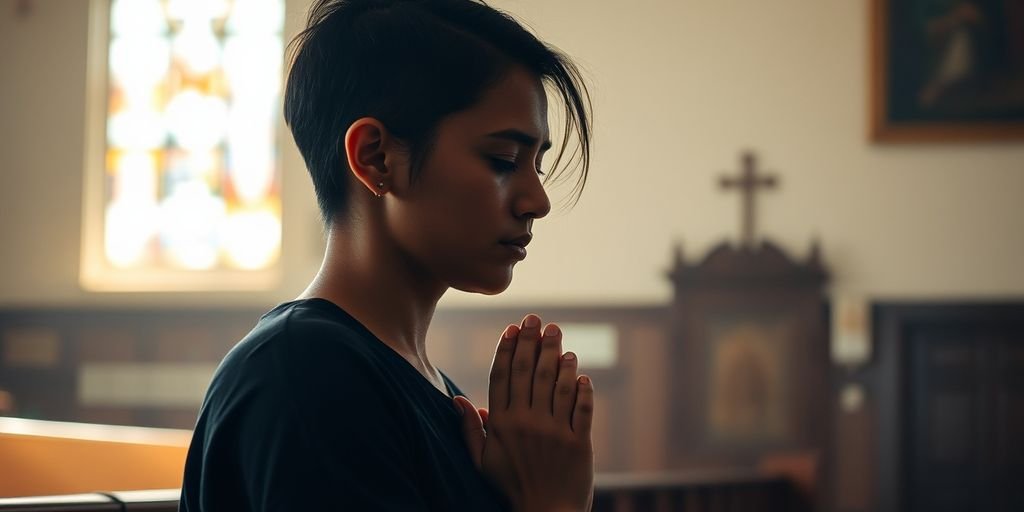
x: 521, y: 241
x: 517, y: 246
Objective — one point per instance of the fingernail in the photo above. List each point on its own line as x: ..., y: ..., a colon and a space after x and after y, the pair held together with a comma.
x: 531, y: 321
x: 551, y: 330
x: 568, y: 356
x: 510, y: 332
x: 584, y: 380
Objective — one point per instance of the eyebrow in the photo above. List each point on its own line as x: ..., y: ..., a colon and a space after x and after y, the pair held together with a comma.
x: 521, y: 138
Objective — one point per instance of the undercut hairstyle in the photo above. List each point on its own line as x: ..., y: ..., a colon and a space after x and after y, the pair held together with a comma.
x: 410, y: 63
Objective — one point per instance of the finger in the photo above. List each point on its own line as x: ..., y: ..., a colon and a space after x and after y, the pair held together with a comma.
x: 547, y: 368
x: 483, y: 416
x: 565, y: 389
x: 501, y: 367
x: 583, y: 412
x: 523, y: 363
x: 472, y: 429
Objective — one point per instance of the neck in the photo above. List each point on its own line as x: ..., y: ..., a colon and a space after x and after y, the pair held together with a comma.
x: 370, y: 279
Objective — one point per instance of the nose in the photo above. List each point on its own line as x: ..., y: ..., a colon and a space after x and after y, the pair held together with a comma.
x: 531, y: 201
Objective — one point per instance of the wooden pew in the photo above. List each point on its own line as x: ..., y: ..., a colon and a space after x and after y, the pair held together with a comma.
x: 48, y: 458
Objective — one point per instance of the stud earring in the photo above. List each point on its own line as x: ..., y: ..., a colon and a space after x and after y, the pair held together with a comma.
x: 380, y: 185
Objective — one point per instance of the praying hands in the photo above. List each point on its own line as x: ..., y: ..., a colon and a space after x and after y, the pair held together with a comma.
x: 535, y: 441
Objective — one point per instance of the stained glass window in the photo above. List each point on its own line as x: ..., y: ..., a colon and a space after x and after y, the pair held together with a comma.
x: 191, y: 170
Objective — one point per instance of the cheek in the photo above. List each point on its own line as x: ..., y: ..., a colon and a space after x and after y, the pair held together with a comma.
x: 479, y: 201
x: 453, y: 233
x: 470, y: 216
x: 452, y: 213
x: 467, y: 190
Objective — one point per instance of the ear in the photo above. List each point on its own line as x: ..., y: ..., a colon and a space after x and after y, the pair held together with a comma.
x: 367, y: 142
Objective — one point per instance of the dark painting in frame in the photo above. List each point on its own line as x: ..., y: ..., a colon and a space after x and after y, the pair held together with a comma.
x: 947, y: 70
x: 748, y: 396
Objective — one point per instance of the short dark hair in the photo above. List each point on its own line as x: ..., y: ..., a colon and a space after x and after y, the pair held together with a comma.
x: 409, y: 63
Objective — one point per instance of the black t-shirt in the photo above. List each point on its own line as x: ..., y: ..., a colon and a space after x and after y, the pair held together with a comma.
x: 311, y: 411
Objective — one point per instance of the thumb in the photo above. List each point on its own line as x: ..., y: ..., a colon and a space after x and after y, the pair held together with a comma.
x: 484, y: 414
x: 472, y: 428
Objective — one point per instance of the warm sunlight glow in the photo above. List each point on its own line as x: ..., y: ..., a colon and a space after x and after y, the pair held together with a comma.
x: 193, y: 106
x: 137, y: 17
x: 197, y: 48
x: 249, y: 76
x: 137, y: 129
x: 135, y: 180
x: 250, y: 155
x: 196, y: 11
x: 196, y: 121
x: 252, y: 238
x: 190, y: 223
x: 256, y: 17
x: 130, y: 230
x: 139, y: 61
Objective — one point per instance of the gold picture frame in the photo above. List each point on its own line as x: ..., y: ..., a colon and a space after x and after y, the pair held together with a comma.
x: 946, y: 71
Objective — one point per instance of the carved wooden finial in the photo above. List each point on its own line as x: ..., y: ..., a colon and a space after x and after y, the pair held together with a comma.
x: 748, y: 182
x: 815, y: 256
x: 677, y: 255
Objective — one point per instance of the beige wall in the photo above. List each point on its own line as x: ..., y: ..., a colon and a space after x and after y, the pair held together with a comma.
x: 680, y: 88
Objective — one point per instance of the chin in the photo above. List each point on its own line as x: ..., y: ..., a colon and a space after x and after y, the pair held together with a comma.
x: 485, y: 284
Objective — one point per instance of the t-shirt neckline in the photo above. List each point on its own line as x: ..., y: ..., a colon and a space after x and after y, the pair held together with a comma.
x: 334, y: 308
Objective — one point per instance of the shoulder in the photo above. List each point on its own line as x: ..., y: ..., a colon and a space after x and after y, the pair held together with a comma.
x: 302, y: 352
x: 303, y: 390
x: 305, y: 333
x: 303, y: 376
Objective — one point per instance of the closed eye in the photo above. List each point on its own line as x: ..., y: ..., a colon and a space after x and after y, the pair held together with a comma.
x: 502, y: 165
x: 506, y: 166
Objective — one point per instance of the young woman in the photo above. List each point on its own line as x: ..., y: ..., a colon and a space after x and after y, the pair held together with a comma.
x: 423, y: 124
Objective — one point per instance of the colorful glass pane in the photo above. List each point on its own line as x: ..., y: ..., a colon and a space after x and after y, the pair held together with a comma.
x: 192, y: 171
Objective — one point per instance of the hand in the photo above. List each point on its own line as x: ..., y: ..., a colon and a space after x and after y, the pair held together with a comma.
x: 537, y: 446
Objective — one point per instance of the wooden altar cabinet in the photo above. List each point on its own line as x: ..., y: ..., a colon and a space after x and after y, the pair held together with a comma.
x: 750, y: 360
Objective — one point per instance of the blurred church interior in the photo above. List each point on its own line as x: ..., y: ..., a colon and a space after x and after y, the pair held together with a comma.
x: 796, y: 275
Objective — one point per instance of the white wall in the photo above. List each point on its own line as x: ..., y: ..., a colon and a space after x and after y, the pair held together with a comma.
x: 680, y: 88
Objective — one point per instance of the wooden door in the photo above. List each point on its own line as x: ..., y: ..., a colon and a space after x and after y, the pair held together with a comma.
x: 964, y: 419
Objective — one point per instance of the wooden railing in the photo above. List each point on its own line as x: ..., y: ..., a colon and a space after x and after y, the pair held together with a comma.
x: 703, y: 491
x: 165, y: 500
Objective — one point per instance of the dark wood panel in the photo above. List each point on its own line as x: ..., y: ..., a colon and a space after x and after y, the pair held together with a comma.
x: 948, y: 385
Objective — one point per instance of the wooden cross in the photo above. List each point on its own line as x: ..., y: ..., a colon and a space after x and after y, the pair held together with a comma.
x: 748, y: 183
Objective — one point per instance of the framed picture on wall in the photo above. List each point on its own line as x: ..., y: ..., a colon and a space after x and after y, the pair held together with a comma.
x: 947, y: 70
